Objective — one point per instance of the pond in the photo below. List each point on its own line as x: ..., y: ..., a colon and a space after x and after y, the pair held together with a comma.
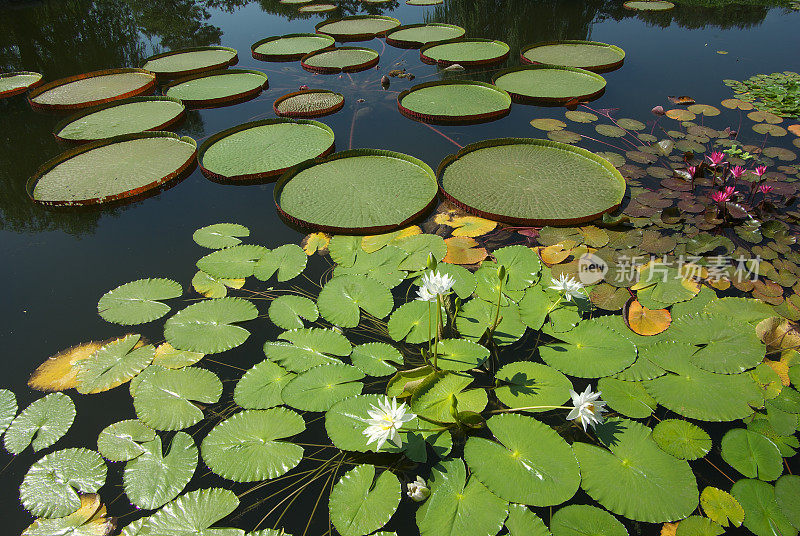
x: 59, y: 261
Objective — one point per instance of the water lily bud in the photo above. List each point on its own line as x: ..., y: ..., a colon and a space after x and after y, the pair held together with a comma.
x: 303, y: 87
x: 431, y: 262
x: 658, y: 110
x: 418, y: 490
x: 501, y: 272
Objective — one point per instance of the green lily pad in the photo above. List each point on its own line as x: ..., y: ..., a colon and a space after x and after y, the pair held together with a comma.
x: 522, y: 522
x: 762, y: 515
x: 214, y: 88
x: 168, y: 357
x: 249, y: 446
x: 137, y: 302
x: 344, y: 249
x: 112, y: 365
x: 465, y: 52
x: 88, y: 520
x: 454, y: 101
x: 585, y: 520
x: 191, y: 513
x: 721, y: 507
x: 290, y: 47
x: 15, y: 83
x: 524, y: 384
x: 88, y: 89
x: 752, y: 454
x: 376, y: 358
x: 360, y: 503
x: 363, y: 190
x: 682, y: 439
x: 308, y: 347
x: 209, y: 326
x: 550, y: 84
x: 529, y: 464
x: 740, y: 309
x: 41, y: 424
x: 562, y: 184
x: 649, y: 5
x: 382, y: 265
x: 787, y: 494
x: 124, y: 440
x: 8, y: 409
x: 356, y: 28
x: 627, y: 398
x: 284, y: 262
x: 340, y: 59
x: 699, y: 526
x: 261, y: 386
x: 342, y: 298
x: 137, y: 114
x: 163, y: 398
x: 51, y: 486
x: 418, y: 35
x: 522, y: 266
x: 458, y: 506
x: 237, y: 153
x: 477, y: 315
x: 232, y: 262
x: 464, y: 284
x: 414, y: 322
x: 434, y: 396
x: 589, y: 350
x: 319, y: 388
x: 308, y: 103
x: 220, y: 235
x: 153, y: 479
x: 590, y: 55
x: 728, y: 346
x: 345, y: 423
x: 635, y: 478
x: 190, y: 61
x: 460, y: 354
x: 288, y: 312
x: 214, y: 287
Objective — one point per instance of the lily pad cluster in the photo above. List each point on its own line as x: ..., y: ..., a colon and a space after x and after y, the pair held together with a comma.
x: 778, y: 93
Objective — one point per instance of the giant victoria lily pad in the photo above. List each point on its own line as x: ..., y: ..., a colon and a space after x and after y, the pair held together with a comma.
x: 342, y: 59
x: 590, y: 55
x: 549, y: 84
x: 465, y: 52
x: 188, y: 61
x: 263, y: 149
x: 217, y: 88
x: 531, y: 182
x: 110, y: 170
x: 418, y: 35
x: 88, y: 89
x: 454, y: 101
x: 357, y: 28
x: 290, y: 47
x: 363, y: 190
x: 308, y: 103
x: 18, y: 82
x: 317, y: 8
x: 136, y: 114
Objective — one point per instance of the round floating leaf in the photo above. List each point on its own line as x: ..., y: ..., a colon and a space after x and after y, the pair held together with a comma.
x: 458, y: 507
x: 164, y: 398
x: 762, y: 515
x: 248, y: 447
x: 307, y: 348
x: 628, y: 398
x: 137, y: 302
x: 561, y: 183
x: 316, y: 8
x: 524, y: 384
x: 787, y: 494
x: 207, y: 326
x: 41, y: 424
x: 58, y: 373
x: 739, y: 309
x: 465, y: 52
x: 419, y: 248
x: 356, y: 28
x: 752, y: 454
x: 589, y: 351
x: 8, y: 409
x: 88, y: 89
x: 454, y: 101
x: 114, y: 364
x: 237, y: 153
x: 529, y: 464
x: 522, y: 522
x: 433, y: 398
x: 308, y: 103
x: 698, y: 526
x: 319, y: 388
x: 192, y: 513
x: 583, y: 520
x: 414, y: 322
x: 288, y: 311
x: 113, y: 169
x: 464, y: 284
x: 376, y: 358
x: 345, y: 423
x: 261, y: 386
x: 589, y: 55
x: 417, y: 35
x: 647, y: 322
x: 681, y: 439
x: 649, y: 5
x: 18, y: 82
x: 460, y: 354
x: 215, y: 88
x: 220, y: 235
x: 341, y: 59
x: 190, y: 61
x: 232, y: 262
x: 285, y: 262
x: 359, y: 503
x: 478, y: 315
x: 548, y: 124
x: 550, y: 84
x: 721, y: 507
x: 153, y: 478
x: 290, y: 47
x: 137, y: 114
x: 168, y: 357
x: 728, y: 346
x: 636, y: 479
x: 342, y: 298
x: 51, y: 486
x: 123, y: 441
x: 89, y: 520
x: 522, y: 266
x: 382, y: 265
x: 364, y: 190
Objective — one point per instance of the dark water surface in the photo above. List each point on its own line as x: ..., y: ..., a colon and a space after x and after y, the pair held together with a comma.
x: 55, y: 265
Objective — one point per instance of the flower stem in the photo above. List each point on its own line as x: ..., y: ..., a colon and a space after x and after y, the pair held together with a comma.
x: 438, y: 330
x: 529, y: 408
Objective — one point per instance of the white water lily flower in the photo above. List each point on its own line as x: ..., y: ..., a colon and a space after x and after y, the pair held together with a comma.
x: 588, y: 407
x: 567, y: 285
x: 434, y: 284
x: 418, y: 490
x: 385, y: 420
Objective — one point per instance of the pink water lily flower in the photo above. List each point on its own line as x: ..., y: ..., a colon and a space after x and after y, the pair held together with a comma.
x: 765, y: 188
x: 759, y: 171
x: 692, y: 170
x: 716, y: 158
x: 723, y: 195
x: 737, y: 171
